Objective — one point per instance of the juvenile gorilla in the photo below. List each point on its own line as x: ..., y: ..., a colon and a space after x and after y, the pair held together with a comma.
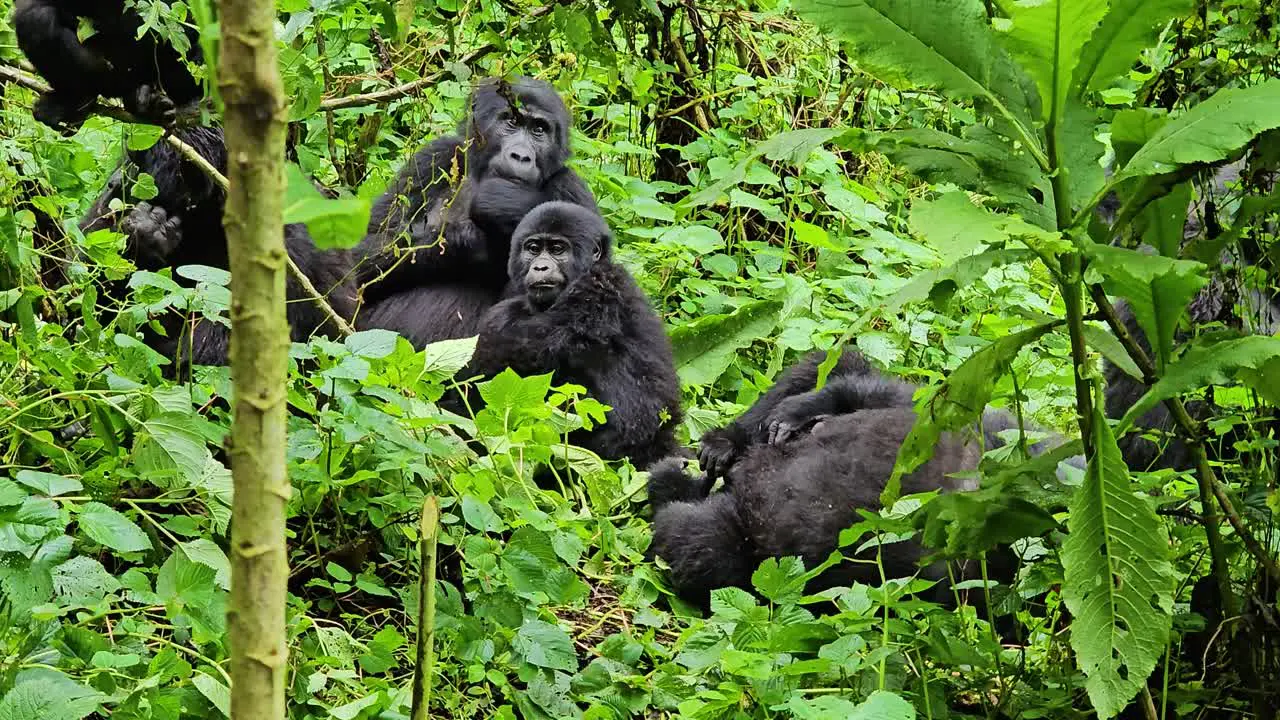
x: 577, y: 315
x: 435, y: 258
x: 148, y: 75
x: 797, y: 466
x: 182, y: 225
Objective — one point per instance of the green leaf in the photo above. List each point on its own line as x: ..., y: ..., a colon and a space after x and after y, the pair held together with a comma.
x: 111, y: 528
x: 442, y: 360
x: 953, y: 225
x: 83, y: 581
x: 884, y: 705
x: 945, y: 45
x: 780, y: 581
x: 1210, y: 131
x: 214, y: 691
x: 960, y: 400
x: 337, y: 223
x: 48, y: 696
x: 705, y: 347
x: 206, y: 552
x: 1046, y: 37
x: 48, y: 484
x: 1111, y: 348
x: 1211, y: 364
x: 1157, y: 289
x: 371, y: 344
x: 545, y: 645
x: 172, y: 452
x: 940, y: 284
x: 1128, y: 28
x: 1118, y: 581
x: 793, y: 146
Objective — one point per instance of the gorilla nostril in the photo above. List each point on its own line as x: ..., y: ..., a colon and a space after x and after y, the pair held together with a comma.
x: 521, y: 158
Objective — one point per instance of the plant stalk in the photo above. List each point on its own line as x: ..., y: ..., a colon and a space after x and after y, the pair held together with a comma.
x: 424, y: 658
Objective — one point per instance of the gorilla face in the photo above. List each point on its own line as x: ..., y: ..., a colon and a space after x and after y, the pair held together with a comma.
x: 520, y: 131
x: 554, y: 245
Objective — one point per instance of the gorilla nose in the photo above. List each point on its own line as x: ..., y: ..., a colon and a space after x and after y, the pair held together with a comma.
x: 521, y: 158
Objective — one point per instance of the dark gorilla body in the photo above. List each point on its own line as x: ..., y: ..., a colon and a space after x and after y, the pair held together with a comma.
x: 182, y: 225
x: 456, y: 204
x: 146, y: 74
x: 577, y: 315
x: 797, y: 466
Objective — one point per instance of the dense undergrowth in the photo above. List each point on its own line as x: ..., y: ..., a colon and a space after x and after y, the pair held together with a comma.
x: 774, y: 188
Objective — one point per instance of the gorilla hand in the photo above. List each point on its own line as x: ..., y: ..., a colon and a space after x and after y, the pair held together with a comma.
x: 151, y: 104
x: 792, y: 416
x: 717, y: 453
x: 152, y: 233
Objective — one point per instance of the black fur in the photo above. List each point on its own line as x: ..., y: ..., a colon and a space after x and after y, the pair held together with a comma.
x: 454, y: 207
x: 148, y: 75
x: 797, y: 466
x: 182, y: 225
x: 598, y: 332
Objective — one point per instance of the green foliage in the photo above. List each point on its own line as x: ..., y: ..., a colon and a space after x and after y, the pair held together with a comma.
x: 917, y: 184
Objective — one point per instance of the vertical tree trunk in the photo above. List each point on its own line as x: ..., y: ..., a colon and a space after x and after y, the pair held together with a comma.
x: 249, y: 81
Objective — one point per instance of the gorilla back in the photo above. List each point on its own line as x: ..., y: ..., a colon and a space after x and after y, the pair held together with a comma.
x: 436, y: 255
x: 572, y: 312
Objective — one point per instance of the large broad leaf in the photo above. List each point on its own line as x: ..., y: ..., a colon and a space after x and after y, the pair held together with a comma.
x: 111, y: 528
x: 1130, y: 27
x: 1046, y: 37
x: 1210, y: 131
x: 48, y: 695
x: 1118, y: 581
x: 172, y: 451
x: 1214, y: 364
x: 940, y: 284
x: 705, y: 347
x: 945, y: 45
x: 332, y: 223
x: 1157, y: 289
x: 958, y: 402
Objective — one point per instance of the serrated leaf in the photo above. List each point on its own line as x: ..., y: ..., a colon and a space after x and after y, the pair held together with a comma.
x: 172, y: 452
x: 1210, y: 131
x: 960, y: 400
x: 48, y: 484
x: 83, y: 581
x: 1157, y: 289
x: 48, y: 696
x: 443, y: 359
x: 374, y: 344
x: 705, y: 347
x: 206, y: 552
x: 1129, y: 27
x: 1209, y: 364
x: 1111, y: 348
x: 111, y: 528
x: 1046, y: 38
x: 940, y: 284
x: 545, y: 645
x: 214, y: 691
x: 1118, y: 580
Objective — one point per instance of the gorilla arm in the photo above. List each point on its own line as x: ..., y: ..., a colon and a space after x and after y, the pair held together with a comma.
x: 430, y: 211
x: 721, y: 448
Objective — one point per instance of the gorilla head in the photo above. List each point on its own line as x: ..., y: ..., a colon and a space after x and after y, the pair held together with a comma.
x: 518, y: 131
x: 554, y: 245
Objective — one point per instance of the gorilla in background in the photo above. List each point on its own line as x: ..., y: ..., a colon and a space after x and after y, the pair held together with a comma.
x: 573, y: 312
x: 182, y: 225
x: 435, y: 258
x: 797, y: 466
x: 145, y: 73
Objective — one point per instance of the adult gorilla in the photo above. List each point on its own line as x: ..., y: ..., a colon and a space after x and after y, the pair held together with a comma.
x: 797, y: 467
x: 182, y: 225
x: 577, y: 315
x: 436, y: 256
x: 148, y: 75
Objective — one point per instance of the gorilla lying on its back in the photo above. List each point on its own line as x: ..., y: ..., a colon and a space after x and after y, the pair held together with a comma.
x: 803, y: 464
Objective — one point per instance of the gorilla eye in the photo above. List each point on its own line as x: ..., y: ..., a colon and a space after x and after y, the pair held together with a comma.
x: 540, y: 127
x: 558, y: 248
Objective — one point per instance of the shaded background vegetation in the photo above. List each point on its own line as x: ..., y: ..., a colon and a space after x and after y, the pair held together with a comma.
x: 756, y: 243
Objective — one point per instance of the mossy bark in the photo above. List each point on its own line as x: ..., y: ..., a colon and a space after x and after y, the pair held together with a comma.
x: 250, y: 86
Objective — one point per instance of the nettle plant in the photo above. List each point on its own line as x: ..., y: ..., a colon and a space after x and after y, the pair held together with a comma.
x: 1035, y: 75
